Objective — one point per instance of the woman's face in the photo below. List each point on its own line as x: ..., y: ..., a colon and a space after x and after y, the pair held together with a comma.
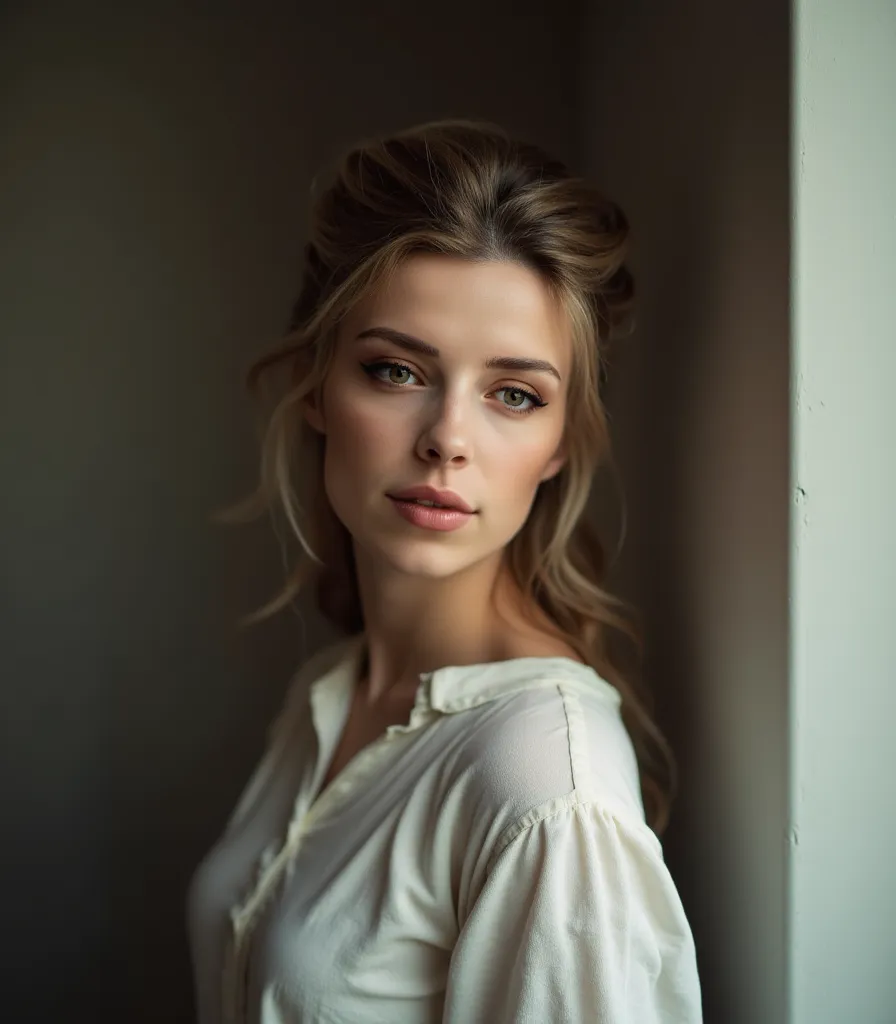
x: 444, y: 419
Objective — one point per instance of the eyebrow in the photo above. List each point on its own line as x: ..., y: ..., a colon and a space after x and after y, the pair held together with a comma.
x: 412, y: 344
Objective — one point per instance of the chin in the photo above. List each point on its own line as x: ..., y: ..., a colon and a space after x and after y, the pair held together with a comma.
x: 421, y: 557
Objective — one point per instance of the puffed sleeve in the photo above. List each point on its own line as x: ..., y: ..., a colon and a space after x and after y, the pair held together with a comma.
x: 578, y: 921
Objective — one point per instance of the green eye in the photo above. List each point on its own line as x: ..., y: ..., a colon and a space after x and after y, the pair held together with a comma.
x: 373, y: 370
x: 518, y: 391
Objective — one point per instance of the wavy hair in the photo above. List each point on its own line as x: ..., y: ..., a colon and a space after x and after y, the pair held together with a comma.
x: 466, y: 189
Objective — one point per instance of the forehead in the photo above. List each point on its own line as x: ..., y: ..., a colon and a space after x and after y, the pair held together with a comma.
x: 467, y: 308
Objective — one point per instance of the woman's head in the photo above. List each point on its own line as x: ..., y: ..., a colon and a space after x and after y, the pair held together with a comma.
x: 410, y: 399
x: 454, y: 235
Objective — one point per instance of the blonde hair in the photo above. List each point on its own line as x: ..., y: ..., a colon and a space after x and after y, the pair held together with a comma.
x: 465, y: 189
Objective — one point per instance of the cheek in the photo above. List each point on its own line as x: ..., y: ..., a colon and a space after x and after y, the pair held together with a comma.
x: 511, y: 485
x: 522, y: 467
x: 360, y: 433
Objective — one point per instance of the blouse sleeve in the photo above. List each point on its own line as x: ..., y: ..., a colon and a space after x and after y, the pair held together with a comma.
x: 578, y: 920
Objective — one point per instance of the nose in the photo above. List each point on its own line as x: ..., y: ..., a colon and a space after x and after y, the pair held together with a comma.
x: 445, y: 444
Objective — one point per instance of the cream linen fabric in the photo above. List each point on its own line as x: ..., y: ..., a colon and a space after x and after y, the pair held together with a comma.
x: 487, y: 862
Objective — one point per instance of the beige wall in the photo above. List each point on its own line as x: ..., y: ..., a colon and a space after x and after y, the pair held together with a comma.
x: 687, y: 125
x: 153, y: 182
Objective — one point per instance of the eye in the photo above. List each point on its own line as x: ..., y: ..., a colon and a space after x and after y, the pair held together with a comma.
x: 537, y: 403
x: 373, y: 370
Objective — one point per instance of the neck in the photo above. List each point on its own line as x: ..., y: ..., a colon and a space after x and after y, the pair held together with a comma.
x: 417, y: 624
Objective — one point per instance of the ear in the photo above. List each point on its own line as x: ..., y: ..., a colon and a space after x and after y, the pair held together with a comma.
x: 313, y: 412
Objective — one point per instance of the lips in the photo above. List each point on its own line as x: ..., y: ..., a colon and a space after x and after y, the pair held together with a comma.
x: 431, y: 517
x: 448, y: 499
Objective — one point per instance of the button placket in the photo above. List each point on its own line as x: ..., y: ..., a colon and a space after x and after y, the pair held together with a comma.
x: 245, y: 917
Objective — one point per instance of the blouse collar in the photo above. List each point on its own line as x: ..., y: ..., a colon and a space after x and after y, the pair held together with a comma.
x: 455, y: 688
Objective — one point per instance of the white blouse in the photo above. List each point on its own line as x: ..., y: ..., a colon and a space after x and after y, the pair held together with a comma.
x: 487, y: 862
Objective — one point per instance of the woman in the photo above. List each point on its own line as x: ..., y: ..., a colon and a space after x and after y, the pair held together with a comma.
x: 456, y: 816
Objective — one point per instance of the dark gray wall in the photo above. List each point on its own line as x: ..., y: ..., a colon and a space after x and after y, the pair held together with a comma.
x: 687, y: 124
x: 154, y: 173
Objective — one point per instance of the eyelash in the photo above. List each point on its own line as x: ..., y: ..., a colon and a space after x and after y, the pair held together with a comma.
x: 371, y: 368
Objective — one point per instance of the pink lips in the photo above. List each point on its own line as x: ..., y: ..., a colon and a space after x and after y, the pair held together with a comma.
x: 426, y: 493
x: 441, y: 519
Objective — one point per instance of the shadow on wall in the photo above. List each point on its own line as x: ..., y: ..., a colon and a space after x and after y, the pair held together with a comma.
x: 697, y: 153
x: 156, y: 195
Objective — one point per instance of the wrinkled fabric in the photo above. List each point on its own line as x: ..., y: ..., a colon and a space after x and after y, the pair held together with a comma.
x: 487, y: 861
